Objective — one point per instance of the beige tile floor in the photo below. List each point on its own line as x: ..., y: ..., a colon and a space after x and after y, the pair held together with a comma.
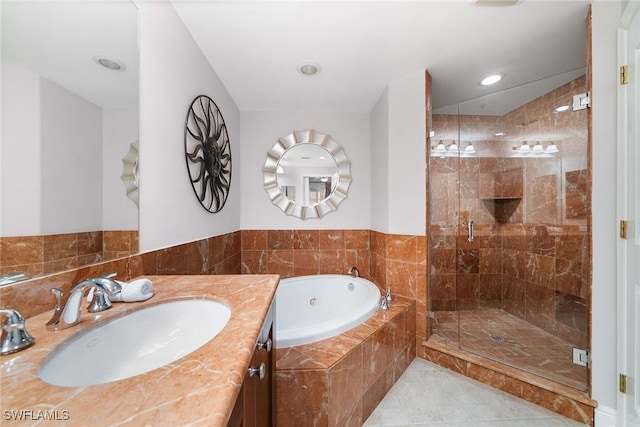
x: 429, y: 395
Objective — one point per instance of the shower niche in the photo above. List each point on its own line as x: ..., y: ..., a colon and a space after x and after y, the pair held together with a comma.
x: 501, y: 187
x: 515, y: 288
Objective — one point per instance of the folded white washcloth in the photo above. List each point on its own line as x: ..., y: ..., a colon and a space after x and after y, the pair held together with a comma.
x: 136, y: 290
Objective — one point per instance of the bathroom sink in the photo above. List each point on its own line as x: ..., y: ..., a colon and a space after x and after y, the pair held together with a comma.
x: 134, y: 343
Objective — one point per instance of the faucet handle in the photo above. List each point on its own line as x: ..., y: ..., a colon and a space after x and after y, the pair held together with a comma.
x: 100, y: 302
x: 14, y: 333
x: 52, y: 324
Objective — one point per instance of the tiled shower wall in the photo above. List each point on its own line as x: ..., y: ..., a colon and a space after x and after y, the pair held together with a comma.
x: 530, y: 255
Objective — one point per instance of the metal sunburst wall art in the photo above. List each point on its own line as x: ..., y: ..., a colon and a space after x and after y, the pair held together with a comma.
x: 208, y: 153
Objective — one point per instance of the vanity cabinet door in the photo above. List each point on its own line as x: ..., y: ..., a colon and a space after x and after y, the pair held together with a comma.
x: 237, y: 416
x: 258, y: 391
x: 254, y: 406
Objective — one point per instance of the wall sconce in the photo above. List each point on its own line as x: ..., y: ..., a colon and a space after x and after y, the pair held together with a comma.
x: 524, y: 148
x: 536, y: 148
x: 452, y: 149
x: 439, y: 150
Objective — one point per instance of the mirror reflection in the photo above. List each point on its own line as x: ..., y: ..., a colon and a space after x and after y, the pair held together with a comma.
x: 69, y: 118
x: 307, y: 174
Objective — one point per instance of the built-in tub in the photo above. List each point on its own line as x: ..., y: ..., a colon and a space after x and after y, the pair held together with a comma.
x: 312, y: 308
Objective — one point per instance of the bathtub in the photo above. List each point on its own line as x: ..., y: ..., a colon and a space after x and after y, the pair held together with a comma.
x: 312, y: 308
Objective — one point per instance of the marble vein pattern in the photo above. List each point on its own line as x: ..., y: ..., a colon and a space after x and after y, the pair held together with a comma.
x: 339, y: 380
x: 501, y: 336
x: 198, y: 389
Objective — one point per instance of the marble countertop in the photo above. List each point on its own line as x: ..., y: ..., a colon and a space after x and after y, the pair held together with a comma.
x: 198, y: 389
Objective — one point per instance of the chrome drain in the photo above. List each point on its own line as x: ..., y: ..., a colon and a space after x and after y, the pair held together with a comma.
x: 495, y: 337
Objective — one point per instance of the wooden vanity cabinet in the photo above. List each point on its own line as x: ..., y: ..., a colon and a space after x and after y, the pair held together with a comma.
x: 254, y: 406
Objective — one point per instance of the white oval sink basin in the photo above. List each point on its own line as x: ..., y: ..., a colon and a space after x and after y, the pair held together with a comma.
x: 134, y: 343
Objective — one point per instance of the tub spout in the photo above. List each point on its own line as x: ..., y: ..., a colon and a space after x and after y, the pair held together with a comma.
x: 354, y: 271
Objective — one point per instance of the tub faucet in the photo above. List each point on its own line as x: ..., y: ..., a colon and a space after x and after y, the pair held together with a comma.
x: 384, y: 303
x: 354, y: 271
x: 67, y: 310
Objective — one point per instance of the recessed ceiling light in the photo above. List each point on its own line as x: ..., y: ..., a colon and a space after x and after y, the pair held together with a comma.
x: 309, y: 69
x: 495, y: 3
x: 110, y: 63
x: 500, y: 134
x: 491, y: 80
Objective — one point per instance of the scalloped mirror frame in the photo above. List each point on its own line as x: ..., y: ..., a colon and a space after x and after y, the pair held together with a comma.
x: 334, y: 199
x: 130, y: 176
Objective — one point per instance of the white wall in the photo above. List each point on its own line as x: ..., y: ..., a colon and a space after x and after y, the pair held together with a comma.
x: 606, y: 16
x: 260, y: 131
x: 51, y: 157
x: 71, y: 139
x: 120, y: 129
x: 407, y: 139
x: 174, y: 71
x: 398, y: 157
x: 380, y: 164
x: 20, y: 152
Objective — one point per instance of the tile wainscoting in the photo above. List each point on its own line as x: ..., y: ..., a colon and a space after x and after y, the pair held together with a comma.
x: 37, y: 255
x: 395, y: 261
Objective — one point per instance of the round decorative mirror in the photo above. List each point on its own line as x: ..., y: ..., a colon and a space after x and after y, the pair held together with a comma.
x: 307, y: 174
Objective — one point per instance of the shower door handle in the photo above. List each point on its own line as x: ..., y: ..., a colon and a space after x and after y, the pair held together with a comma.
x: 472, y: 233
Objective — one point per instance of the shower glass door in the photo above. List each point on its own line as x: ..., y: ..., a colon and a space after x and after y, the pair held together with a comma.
x: 512, y: 262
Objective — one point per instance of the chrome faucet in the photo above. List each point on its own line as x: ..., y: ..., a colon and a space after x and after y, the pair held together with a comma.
x: 10, y: 278
x: 14, y: 333
x: 67, y: 310
x: 354, y: 271
x: 384, y: 303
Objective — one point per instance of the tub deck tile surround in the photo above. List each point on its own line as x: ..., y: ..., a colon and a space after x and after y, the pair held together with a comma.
x: 559, y: 398
x: 340, y: 380
x: 198, y: 389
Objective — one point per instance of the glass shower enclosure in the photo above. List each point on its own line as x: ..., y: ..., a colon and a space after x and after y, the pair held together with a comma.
x: 509, y: 228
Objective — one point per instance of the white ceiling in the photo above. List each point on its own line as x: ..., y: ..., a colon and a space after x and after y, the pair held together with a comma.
x: 361, y: 46
x: 57, y: 40
x: 256, y: 46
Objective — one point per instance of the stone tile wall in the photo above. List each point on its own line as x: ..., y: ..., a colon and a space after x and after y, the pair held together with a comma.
x: 37, y: 255
x: 215, y: 255
x: 303, y: 252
